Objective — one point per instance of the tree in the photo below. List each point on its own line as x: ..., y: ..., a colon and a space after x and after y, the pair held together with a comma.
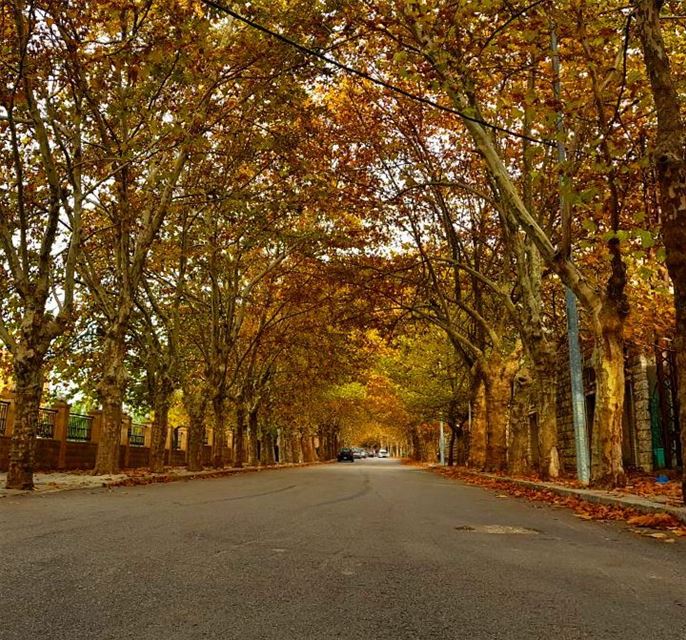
x: 41, y: 207
x: 669, y: 157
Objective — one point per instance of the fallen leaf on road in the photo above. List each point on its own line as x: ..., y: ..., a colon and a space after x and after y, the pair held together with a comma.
x: 654, y: 520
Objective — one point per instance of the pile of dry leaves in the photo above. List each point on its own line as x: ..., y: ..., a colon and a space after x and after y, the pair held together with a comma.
x: 662, y: 526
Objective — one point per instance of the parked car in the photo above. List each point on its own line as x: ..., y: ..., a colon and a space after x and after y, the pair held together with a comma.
x: 383, y: 453
x: 345, y: 454
x: 357, y: 452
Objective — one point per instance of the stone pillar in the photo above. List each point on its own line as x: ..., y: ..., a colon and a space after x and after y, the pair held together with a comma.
x: 147, y: 435
x: 168, y: 446
x: 61, y: 428
x: 8, y: 396
x: 641, y: 412
x: 96, y: 425
x: 183, y: 443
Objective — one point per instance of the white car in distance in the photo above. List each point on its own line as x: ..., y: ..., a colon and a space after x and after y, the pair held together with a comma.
x: 383, y: 453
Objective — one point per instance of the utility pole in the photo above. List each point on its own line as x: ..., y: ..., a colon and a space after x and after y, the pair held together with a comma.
x: 583, y: 458
x: 441, y: 443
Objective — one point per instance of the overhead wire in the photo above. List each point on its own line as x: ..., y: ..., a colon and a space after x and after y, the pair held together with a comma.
x: 253, y: 24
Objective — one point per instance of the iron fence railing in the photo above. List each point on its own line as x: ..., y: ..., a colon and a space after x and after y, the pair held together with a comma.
x: 4, y: 411
x: 137, y: 435
x: 46, y: 423
x: 79, y: 427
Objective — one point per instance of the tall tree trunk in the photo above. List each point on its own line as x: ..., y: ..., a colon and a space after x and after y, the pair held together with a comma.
x: 160, y: 425
x: 196, y: 438
x: 451, y: 446
x: 195, y: 403
x: 417, y: 448
x: 268, y: 449
x: 461, y: 445
x: 285, y: 454
x: 498, y: 392
x: 477, y: 433
x: 252, y: 426
x: 304, y: 448
x: 296, y: 448
x: 29, y: 387
x: 519, y: 459
x: 239, y: 444
x: 219, y: 442
x: 546, y: 410
x: 607, y: 468
x: 670, y: 162
x: 111, y: 391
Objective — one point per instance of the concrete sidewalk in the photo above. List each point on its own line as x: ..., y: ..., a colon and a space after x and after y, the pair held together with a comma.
x: 52, y: 482
x: 614, y: 498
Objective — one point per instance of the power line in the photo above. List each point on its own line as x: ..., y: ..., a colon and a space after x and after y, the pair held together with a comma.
x: 361, y: 74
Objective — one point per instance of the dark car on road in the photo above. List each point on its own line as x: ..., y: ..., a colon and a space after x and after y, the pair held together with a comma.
x: 345, y: 454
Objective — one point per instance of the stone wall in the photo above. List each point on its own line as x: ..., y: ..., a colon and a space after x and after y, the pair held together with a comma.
x: 636, y: 415
x: 80, y: 455
x: 565, y: 420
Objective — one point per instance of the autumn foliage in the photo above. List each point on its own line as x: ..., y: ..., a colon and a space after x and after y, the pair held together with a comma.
x: 305, y: 224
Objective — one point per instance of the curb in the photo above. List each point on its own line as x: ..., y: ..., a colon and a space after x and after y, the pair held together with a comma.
x: 643, y: 505
x: 156, y: 478
x: 166, y: 477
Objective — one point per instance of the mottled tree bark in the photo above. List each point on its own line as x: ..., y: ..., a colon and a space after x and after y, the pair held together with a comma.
x: 195, y: 404
x: 239, y: 444
x: 196, y: 437
x: 29, y: 387
x: 477, y: 433
x: 519, y: 461
x: 498, y: 375
x: 268, y: 449
x: 669, y: 158
x: 285, y: 452
x: 160, y: 425
x: 219, y: 442
x: 607, y: 468
x: 417, y: 447
x: 546, y: 406
x: 111, y: 392
x: 451, y: 446
x: 252, y: 437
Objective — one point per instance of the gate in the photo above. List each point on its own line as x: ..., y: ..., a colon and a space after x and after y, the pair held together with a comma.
x: 4, y: 411
x: 665, y: 410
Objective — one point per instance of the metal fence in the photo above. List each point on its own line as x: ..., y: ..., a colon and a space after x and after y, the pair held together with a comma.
x: 137, y: 435
x: 79, y: 427
x: 667, y: 430
x: 4, y: 410
x: 46, y: 423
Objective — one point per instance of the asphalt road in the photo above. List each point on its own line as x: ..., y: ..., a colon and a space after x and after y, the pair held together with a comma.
x: 366, y: 550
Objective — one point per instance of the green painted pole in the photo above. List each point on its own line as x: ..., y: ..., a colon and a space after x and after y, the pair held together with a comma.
x: 583, y: 458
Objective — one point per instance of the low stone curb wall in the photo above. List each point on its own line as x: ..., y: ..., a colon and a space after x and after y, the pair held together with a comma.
x: 596, y: 496
x: 56, y: 484
x: 153, y: 478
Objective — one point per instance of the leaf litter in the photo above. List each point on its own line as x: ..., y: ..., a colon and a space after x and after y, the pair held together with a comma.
x: 659, y: 526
